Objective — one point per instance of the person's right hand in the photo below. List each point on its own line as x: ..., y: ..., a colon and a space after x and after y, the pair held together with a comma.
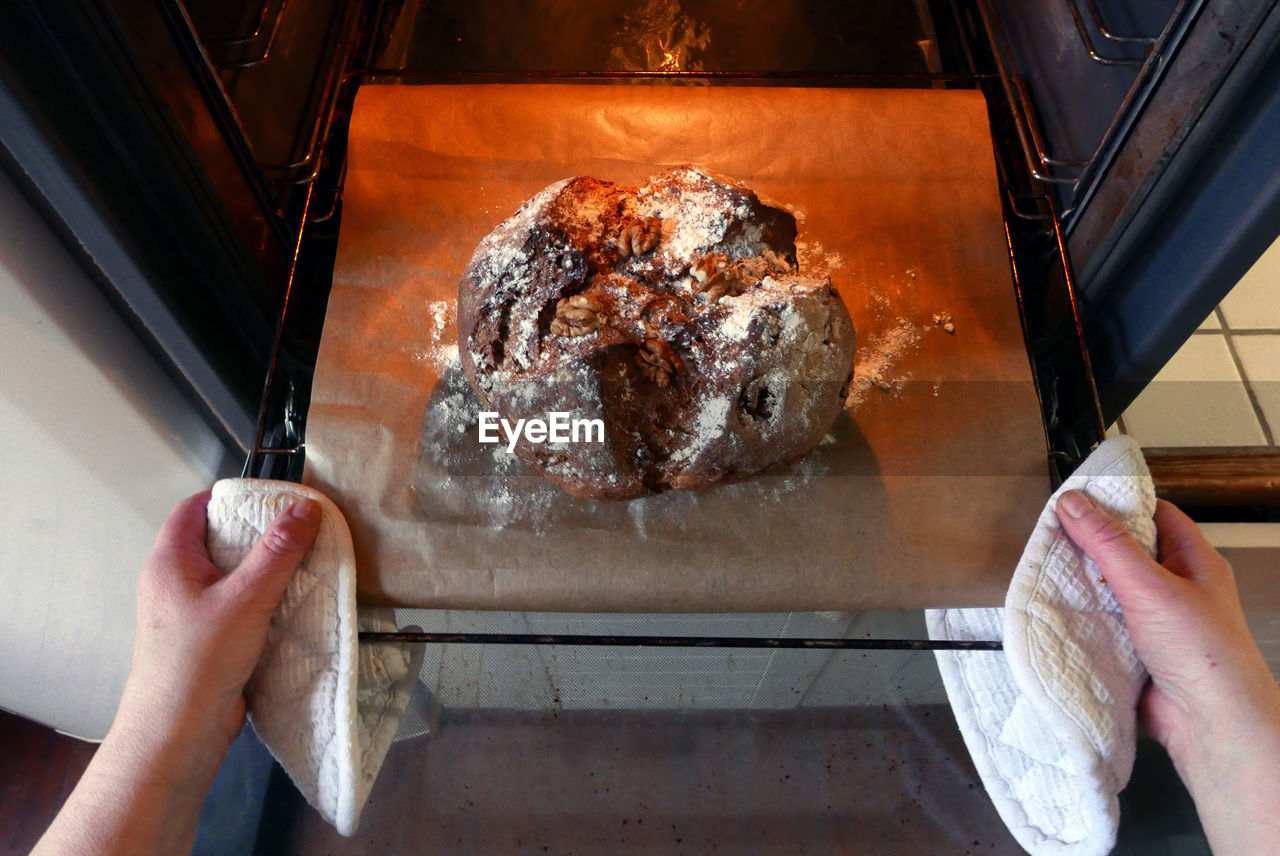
x: 1212, y: 702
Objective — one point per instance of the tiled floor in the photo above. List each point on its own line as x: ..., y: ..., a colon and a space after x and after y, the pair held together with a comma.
x: 1223, y: 387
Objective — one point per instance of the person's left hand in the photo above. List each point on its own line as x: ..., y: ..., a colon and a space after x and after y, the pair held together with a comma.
x: 200, y: 633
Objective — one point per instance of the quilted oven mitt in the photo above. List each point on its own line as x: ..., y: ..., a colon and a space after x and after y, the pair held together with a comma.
x: 1051, y: 723
x: 325, y: 706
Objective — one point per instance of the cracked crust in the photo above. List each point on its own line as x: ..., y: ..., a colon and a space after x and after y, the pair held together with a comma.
x: 695, y: 385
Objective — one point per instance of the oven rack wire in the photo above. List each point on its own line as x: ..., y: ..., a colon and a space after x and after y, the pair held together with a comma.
x: 1100, y: 25
x: 1076, y: 178
x: 242, y: 43
x: 224, y: 63
x: 775, y: 643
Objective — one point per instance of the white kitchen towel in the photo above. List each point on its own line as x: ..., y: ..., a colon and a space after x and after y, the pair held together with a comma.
x: 1051, y: 723
x: 326, y: 706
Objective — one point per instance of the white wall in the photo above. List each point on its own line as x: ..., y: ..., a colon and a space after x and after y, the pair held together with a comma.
x: 98, y: 446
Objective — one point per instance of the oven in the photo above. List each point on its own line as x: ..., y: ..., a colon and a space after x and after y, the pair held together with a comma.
x: 194, y: 158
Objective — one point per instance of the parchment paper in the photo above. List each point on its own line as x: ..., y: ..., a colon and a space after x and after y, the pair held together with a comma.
x: 923, y: 493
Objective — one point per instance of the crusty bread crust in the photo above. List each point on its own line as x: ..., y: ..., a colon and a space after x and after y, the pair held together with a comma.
x: 674, y: 312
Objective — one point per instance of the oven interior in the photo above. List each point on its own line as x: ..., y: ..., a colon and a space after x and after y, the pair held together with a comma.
x: 808, y: 44
x: 294, y: 124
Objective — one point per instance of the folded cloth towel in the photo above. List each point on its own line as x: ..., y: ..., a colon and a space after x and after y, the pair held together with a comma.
x: 1051, y: 723
x: 324, y: 705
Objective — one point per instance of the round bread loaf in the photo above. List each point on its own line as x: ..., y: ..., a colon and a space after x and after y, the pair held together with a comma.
x: 675, y: 313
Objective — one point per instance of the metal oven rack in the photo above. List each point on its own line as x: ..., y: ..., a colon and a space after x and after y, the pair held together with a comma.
x: 242, y: 65
x: 1074, y: 176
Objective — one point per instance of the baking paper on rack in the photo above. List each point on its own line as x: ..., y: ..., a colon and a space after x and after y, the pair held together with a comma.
x: 921, y: 495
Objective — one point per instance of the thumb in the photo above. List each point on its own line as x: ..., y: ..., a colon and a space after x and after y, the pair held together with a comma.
x: 264, y: 574
x: 1133, y: 575
x: 1183, y: 548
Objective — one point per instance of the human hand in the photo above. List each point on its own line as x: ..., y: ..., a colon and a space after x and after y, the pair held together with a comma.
x: 1212, y: 700
x: 199, y: 635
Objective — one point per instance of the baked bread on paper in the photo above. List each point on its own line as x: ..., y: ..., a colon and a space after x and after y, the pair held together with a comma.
x: 675, y: 313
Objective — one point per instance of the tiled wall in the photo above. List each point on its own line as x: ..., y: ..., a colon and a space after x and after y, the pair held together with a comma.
x: 1223, y: 387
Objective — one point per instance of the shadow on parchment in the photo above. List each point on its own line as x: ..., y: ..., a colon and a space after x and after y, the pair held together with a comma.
x: 813, y: 510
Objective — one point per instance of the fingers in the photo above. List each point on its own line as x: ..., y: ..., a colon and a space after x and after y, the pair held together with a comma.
x: 1183, y: 548
x: 1133, y: 575
x: 185, y: 529
x: 264, y: 574
x: 180, y: 557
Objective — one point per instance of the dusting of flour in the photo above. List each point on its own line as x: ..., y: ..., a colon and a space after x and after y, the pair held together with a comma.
x: 877, y: 360
x: 439, y: 350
